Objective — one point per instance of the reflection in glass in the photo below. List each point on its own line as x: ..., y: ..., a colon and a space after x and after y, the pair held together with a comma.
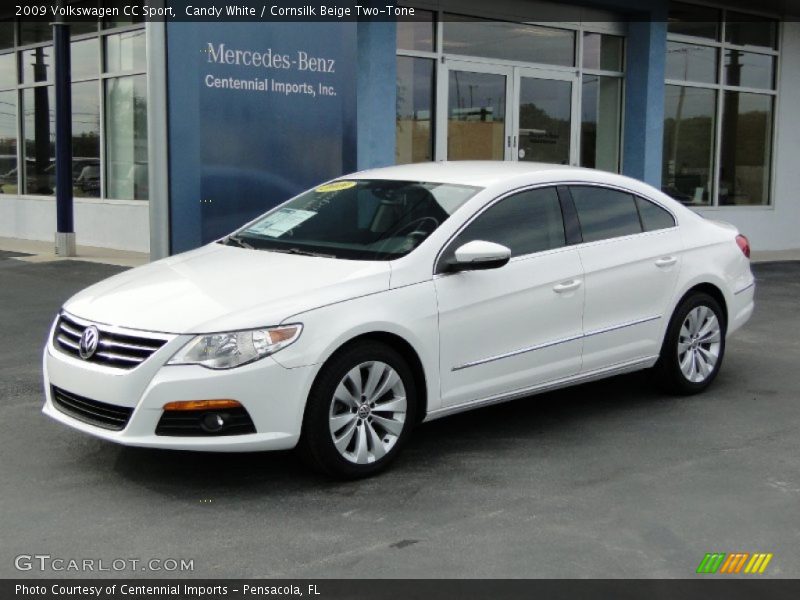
x: 37, y: 64
x: 476, y: 109
x: 8, y: 70
x: 525, y: 223
x: 84, y: 58
x: 6, y: 34
x: 746, y: 150
x: 126, y: 51
x: 126, y: 138
x: 85, y: 139
x: 750, y: 30
x: 414, y: 110
x: 544, y: 120
x: 33, y: 32
x: 690, y: 62
x: 689, y: 125
x: 39, y: 131
x: 691, y: 19
x: 600, y: 122
x: 601, y: 51
x: 8, y: 142
x: 417, y: 32
x: 605, y: 213
x: 508, y: 41
x: 83, y: 27
x: 121, y: 21
x: 748, y: 69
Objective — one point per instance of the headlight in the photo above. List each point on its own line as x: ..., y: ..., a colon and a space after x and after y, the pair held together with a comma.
x: 235, y: 348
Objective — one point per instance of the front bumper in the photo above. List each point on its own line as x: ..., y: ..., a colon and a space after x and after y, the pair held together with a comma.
x: 273, y: 395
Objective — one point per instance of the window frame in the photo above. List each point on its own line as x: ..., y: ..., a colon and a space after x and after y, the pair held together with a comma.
x: 608, y: 189
x: 100, y: 33
x: 576, y: 71
x: 720, y: 87
x: 616, y: 188
x: 440, y: 267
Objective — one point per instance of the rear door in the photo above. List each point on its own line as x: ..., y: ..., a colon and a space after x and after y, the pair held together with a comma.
x: 631, y: 255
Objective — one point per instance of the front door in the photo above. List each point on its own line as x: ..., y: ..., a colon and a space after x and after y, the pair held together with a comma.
x: 508, y: 329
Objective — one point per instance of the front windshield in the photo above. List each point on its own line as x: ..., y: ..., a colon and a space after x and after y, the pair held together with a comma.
x: 360, y: 219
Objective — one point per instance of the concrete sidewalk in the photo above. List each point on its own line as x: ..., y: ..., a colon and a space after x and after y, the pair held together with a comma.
x: 36, y: 251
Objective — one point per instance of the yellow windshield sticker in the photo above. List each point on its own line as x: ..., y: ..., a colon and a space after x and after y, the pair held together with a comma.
x: 335, y: 186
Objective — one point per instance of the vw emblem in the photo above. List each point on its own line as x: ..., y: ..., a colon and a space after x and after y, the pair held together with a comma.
x: 88, y: 344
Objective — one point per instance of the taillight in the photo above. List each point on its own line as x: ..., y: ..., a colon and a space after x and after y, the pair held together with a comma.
x: 744, y: 244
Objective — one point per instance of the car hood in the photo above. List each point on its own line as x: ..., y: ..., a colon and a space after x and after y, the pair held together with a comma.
x: 223, y: 288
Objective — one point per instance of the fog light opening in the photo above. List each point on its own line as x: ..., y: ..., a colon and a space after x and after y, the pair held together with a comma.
x: 213, y: 422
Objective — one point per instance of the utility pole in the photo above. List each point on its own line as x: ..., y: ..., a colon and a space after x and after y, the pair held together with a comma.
x: 65, y: 228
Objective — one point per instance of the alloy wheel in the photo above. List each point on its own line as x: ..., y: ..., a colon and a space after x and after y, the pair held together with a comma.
x: 699, y: 343
x: 367, y: 412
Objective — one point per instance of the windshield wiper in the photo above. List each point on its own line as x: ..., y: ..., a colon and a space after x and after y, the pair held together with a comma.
x: 300, y: 252
x: 237, y: 241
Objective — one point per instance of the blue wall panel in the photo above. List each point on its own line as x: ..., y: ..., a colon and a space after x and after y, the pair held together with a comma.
x: 235, y: 153
x: 644, y: 100
x: 377, y: 91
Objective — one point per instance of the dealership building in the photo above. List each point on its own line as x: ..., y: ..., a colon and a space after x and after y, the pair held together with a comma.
x: 183, y: 130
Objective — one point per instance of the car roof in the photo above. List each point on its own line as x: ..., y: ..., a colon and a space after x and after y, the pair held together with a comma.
x: 482, y: 173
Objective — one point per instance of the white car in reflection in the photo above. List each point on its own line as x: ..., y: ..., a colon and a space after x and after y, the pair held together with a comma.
x: 344, y: 317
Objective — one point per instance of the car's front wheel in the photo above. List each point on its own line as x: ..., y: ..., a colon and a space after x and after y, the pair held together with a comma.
x: 360, y: 411
x: 694, y: 345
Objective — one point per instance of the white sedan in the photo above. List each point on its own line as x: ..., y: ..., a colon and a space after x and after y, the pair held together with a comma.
x: 342, y: 318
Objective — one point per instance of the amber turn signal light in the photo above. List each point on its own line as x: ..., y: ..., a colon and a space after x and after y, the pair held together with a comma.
x: 202, y: 405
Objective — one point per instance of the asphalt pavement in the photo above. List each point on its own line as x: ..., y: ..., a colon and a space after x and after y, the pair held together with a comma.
x: 608, y: 479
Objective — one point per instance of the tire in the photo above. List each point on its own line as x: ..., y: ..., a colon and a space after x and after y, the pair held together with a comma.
x: 360, y: 411
x: 693, y: 347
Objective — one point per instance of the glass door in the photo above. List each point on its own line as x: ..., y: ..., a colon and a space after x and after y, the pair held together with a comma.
x: 545, y: 124
x: 476, y: 123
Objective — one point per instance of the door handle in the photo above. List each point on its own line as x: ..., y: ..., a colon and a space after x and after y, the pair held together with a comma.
x: 567, y: 286
x: 666, y: 261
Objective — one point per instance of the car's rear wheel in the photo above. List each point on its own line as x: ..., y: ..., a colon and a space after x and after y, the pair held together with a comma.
x: 694, y: 345
x: 359, y: 412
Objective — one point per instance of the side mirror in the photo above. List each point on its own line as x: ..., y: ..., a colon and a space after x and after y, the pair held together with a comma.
x: 479, y: 255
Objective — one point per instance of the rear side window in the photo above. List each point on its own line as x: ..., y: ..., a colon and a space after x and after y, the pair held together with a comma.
x: 605, y: 213
x: 526, y: 222
x: 653, y: 216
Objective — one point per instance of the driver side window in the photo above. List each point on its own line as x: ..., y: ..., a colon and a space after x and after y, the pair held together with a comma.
x: 525, y: 222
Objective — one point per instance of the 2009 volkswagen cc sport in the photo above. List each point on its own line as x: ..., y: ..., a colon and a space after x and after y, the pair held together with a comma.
x: 345, y: 316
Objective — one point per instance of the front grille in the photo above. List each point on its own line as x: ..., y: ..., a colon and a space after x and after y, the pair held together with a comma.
x: 114, y: 349
x: 190, y: 423
x: 108, y: 416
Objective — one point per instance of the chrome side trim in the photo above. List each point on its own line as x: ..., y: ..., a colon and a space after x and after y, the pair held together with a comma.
x: 483, y: 361
x: 621, y: 326
x: 489, y: 359
x: 752, y: 284
x: 626, y: 367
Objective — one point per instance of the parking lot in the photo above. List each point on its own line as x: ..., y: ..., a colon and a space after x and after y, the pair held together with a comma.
x: 609, y: 479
